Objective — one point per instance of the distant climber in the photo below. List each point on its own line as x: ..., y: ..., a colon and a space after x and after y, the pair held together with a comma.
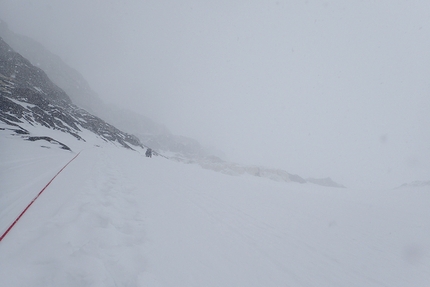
x: 148, y: 152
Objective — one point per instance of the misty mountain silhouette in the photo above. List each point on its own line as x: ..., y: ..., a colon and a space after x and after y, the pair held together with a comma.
x: 416, y: 183
x: 67, y: 103
x: 77, y: 88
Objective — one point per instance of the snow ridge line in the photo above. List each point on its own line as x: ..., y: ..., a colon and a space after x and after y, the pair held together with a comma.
x: 37, y: 196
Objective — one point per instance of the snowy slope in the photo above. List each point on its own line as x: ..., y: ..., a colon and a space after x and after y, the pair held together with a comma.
x: 117, y: 218
x: 28, y: 97
x: 150, y: 133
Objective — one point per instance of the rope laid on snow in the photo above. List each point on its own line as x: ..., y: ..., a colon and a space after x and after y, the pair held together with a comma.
x: 34, y: 199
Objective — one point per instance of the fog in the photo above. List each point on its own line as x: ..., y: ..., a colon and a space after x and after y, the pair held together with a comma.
x: 318, y: 88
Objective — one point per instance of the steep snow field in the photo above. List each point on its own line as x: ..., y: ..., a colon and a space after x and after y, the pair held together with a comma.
x: 116, y: 218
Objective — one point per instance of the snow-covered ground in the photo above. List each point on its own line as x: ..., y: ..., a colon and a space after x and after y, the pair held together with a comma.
x: 116, y: 218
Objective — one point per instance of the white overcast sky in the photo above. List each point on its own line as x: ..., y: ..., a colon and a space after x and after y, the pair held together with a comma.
x: 319, y: 88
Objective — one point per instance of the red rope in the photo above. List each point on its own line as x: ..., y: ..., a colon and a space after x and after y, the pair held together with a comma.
x: 34, y: 199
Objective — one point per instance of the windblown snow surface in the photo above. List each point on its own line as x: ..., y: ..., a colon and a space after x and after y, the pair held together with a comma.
x: 116, y: 218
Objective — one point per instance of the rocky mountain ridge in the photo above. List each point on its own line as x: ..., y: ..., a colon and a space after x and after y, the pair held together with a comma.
x: 27, y: 95
x: 150, y: 133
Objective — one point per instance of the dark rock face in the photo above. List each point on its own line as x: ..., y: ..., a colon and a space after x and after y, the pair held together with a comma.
x: 28, y: 95
x: 50, y: 140
x: 73, y: 83
x: 23, y: 73
x: 65, y: 77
